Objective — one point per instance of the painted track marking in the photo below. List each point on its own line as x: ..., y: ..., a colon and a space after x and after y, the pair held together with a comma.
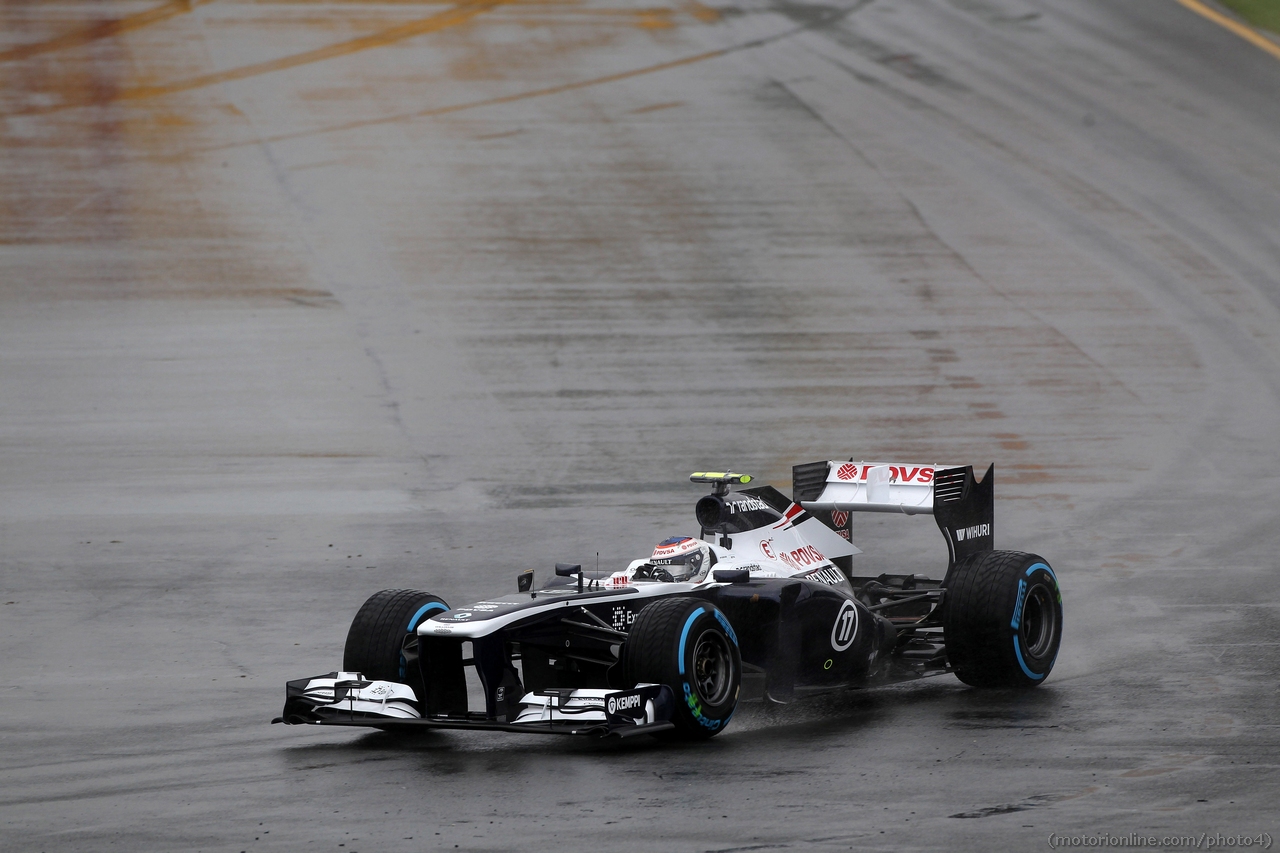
x: 460, y: 14
x: 101, y: 30
x: 1245, y: 31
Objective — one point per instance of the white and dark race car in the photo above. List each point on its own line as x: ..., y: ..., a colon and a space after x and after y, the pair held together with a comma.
x: 765, y: 603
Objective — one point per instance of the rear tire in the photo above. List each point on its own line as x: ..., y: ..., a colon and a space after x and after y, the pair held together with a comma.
x: 378, y: 632
x: 1002, y: 619
x: 688, y: 645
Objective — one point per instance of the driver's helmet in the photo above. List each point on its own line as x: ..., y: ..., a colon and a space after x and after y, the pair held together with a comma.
x: 683, y: 558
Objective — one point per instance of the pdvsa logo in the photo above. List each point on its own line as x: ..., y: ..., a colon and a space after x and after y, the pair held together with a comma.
x: 851, y: 473
x: 802, y: 557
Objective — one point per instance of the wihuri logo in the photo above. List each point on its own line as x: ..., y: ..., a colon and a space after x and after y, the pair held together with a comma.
x: 974, y: 532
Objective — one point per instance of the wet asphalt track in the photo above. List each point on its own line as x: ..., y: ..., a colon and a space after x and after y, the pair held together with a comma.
x: 299, y: 300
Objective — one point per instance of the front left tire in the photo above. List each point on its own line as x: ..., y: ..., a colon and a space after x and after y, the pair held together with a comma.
x: 688, y: 645
x: 379, y: 628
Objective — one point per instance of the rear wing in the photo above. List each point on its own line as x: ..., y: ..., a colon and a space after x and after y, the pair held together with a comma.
x: 962, y: 505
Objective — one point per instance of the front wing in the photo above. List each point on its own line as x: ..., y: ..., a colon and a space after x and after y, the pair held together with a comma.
x: 347, y: 699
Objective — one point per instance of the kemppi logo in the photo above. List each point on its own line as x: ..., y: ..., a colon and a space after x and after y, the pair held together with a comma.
x: 623, y: 703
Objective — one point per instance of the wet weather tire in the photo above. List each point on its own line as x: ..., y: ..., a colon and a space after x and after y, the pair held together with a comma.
x: 1002, y: 619
x: 378, y: 632
x: 688, y: 645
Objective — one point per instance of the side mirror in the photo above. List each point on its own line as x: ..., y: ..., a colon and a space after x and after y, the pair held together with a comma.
x: 524, y: 581
x: 568, y: 570
x: 731, y: 575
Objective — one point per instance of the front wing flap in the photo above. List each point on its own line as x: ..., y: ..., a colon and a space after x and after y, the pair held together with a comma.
x: 348, y: 699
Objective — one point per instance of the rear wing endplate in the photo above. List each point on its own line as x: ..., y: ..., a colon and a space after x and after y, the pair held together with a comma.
x: 962, y: 505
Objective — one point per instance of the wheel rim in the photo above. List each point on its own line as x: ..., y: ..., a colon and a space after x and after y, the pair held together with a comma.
x: 712, y: 667
x: 1039, y: 621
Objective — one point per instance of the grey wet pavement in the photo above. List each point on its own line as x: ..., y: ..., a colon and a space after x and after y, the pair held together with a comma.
x: 303, y: 300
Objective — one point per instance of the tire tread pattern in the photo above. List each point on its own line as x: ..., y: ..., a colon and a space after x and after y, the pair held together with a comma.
x: 648, y: 655
x: 377, y: 633
x: 980, y: 600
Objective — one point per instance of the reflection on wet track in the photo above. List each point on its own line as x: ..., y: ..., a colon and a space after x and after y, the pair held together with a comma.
x: 299, y: 300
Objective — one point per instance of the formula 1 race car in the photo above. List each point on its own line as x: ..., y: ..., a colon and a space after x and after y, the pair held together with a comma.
x: 765, y: 603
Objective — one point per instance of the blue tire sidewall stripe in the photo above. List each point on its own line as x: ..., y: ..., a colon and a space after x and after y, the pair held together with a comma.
x: 413, y: 623
x: 709, y: 722
x: 431, y: 605
x: 1044, y: 566
x: 1017, y: 647
x: 1017, y: 650
x: 684, y: 634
